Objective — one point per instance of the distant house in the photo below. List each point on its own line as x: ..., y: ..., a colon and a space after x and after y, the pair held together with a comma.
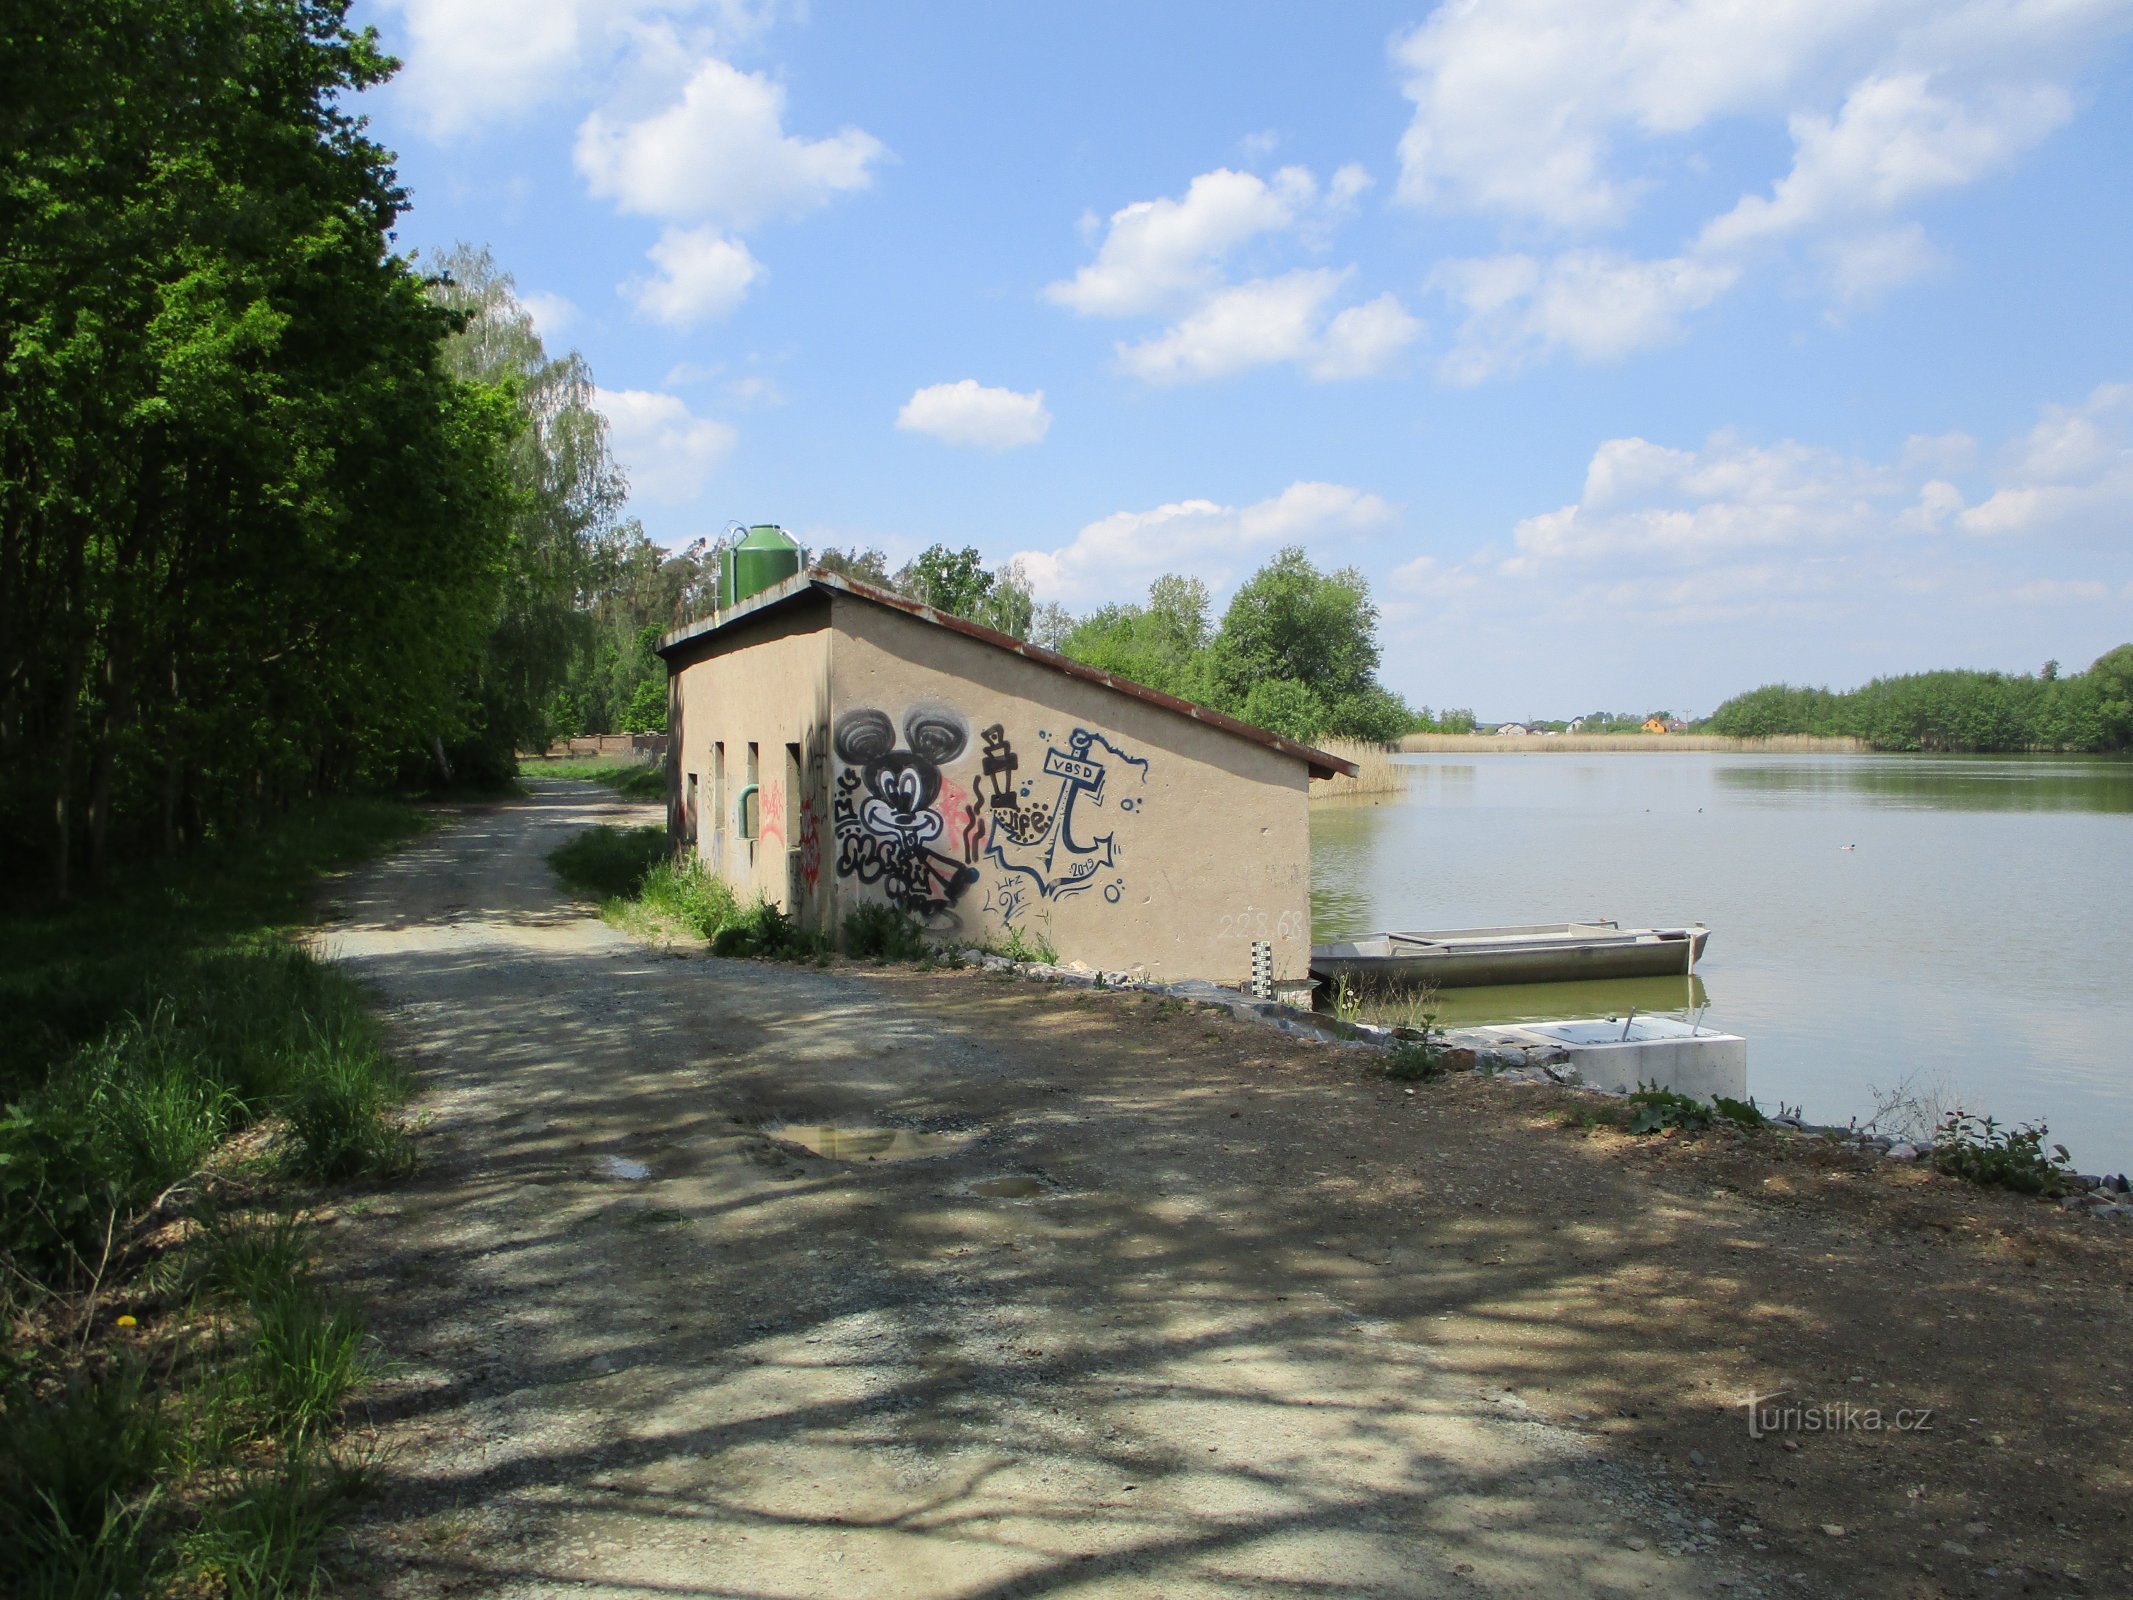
x: 1577, y: 725
x: 1512, y: 730
x: 1654, y: 725
x: 837, y: 746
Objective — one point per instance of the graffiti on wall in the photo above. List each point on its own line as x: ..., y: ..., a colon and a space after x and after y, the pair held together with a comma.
x: 1035, y: 822
x: 887, y: 810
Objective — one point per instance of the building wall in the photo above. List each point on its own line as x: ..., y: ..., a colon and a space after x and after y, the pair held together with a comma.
x: 987, y: 793
x: 764, y: 681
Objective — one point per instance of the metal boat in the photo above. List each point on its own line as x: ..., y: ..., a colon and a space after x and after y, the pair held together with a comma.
x: 1549, y: 952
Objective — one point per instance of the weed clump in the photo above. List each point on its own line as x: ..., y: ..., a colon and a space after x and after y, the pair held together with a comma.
x: 1980, y: 1151
x: 1658, y: 1109
x: 879, y: 932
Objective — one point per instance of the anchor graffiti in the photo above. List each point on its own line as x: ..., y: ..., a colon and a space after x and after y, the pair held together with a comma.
x: 1036, y: 838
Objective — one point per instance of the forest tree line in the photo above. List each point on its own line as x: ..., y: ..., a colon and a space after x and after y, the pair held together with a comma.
x: 1954, y: 711
x: 282, y: 509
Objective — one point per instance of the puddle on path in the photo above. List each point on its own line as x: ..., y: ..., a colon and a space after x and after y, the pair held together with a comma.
x: 1015, y: 1186
x: 624, y: 1168
x: 868, y: 1144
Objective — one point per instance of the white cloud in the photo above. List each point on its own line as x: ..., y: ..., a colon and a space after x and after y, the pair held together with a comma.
x: 1157, y: 252
x: 1747, y: 529
x: 1894, y: 139
x: 720, y: 153
x: 2070, y: 475
x: 473, y: 65
x: 1866, y: 266
x: 702, y: 276
x: 969, y: 414
x: 470, y: 62
x: 1563, y: 113
x: 1277, y: 319
x: 669, y: 452
x: 1363, y: 340
x: 1115, y: 557
x: 755, y: 391
x: 1169, y: 257
x: 1600, y: 305
x: 551, y: 313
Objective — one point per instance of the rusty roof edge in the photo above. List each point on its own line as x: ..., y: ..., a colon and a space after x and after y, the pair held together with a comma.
x: 1320, y: 763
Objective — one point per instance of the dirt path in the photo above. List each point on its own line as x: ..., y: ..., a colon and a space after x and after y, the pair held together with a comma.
x: 1261, y: 1327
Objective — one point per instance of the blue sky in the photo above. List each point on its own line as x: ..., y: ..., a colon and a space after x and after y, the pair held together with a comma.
x: 1638, y: 353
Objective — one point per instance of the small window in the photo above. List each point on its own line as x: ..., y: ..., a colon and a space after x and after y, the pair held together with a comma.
x: 752, y: 799
x: 718, y: 787
x: 792, y: 796
x: 688, y: 810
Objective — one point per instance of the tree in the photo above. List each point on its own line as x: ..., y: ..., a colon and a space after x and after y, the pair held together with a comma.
x: 249, y: 528
x: 1286, y: 707
x: 959, y: 583
x: 1161, y: 644
x: 1953, y: 710
x: 567, y: 539
x: 1289, y: 621
x: 864, y: 566
x: 2111, y: 679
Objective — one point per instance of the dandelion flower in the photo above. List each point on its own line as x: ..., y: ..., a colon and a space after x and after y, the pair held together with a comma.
x: 127, y: 1322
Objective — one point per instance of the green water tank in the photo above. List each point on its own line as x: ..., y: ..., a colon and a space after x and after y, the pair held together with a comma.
x: 762, y: 556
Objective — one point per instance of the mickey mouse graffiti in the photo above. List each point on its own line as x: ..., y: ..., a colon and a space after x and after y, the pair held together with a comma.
x: 884, y: 812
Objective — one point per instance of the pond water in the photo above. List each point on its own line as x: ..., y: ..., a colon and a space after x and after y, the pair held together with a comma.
x: 1960, y: 924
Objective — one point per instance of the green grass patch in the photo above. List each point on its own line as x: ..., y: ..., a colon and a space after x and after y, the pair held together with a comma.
x: 222, y: 1475
x: 633, y: 780
x: 607, y: 863
x: 144, y: 1029
x: 642, y: 889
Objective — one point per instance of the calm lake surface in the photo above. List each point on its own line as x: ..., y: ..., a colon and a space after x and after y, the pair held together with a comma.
x: 1978, y: 939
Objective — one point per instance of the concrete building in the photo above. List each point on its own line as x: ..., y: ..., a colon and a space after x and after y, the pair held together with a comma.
x: 834, y: 744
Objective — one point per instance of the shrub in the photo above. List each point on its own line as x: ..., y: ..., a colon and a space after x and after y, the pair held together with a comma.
x: 1659, y: 1108
x: 1980, y: 1150
x: 764, y: 930
x: 1416, y: 1060
x: 878, y: 931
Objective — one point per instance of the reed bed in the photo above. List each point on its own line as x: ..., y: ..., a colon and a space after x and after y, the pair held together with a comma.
x: 1787, y: 744
x: 1376, y: 772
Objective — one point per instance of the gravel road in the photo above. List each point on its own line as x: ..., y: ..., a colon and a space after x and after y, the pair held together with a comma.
x: 642, y: 1347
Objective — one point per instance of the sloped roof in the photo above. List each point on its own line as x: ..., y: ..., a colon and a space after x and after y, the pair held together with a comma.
x: 815, y: 581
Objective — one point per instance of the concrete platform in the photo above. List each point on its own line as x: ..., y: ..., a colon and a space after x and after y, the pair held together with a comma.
x: 1624, y: 1054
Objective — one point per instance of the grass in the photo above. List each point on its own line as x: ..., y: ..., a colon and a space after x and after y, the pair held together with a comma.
x: 1017, y: 944
x: 632, y: 779
x: 643, y: 890
x: 607, y: 863
x: 190, y: 1445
